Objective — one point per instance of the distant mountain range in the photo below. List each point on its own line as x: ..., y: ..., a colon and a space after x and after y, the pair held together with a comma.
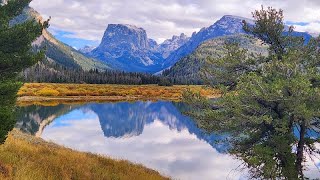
x: 127, y: 48
x: 227, y: 25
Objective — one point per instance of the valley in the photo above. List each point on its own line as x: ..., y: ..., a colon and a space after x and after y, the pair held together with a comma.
x: 127, y: 48
x: 122, y: 90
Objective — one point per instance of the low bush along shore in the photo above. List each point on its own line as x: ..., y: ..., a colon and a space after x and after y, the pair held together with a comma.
x: 49, y: 91
x: 26, y: 157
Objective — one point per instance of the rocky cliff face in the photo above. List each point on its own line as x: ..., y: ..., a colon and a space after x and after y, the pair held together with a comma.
x: 170, y: 45
x: 153, y: 45
x: 124, y: 37
x: 87, y: 49
x: 127, y: 47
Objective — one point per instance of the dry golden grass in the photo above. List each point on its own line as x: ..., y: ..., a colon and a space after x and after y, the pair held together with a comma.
x: 38, y: 92
x: 25, y: 157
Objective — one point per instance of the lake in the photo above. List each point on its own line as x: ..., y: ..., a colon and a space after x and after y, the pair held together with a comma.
x: 155, y: 134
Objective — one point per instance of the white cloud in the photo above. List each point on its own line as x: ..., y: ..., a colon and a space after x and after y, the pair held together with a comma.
x: 178, y: 154
x: 313, y: 28
x: 162, y: 18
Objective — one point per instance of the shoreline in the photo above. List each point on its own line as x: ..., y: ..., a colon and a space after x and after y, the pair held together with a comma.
x: 92, y: 98
x: 54, y: 101
x: 52, y: 161
x: 54, y: 94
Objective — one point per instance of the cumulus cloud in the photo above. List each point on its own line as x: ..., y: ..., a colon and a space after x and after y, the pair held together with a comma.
x: 162, y: 18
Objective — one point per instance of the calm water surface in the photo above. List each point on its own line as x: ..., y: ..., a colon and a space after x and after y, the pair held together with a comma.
x: 155, y: 134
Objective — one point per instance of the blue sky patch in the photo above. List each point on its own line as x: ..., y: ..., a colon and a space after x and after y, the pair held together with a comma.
x: 291, y: 23
x: 77, y: 43
x: 75, y: 115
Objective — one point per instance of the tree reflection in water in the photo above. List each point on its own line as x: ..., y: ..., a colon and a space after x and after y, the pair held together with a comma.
x: 276, y: 150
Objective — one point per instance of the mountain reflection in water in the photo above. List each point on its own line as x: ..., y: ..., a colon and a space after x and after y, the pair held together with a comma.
x: 155, y: 134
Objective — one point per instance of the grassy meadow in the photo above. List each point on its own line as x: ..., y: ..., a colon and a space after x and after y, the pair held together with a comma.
x: 26, y: 157
x: 57, y: 93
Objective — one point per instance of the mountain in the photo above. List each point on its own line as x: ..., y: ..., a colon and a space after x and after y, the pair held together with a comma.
x: 227, y: 25
x: 170, y: 45
x: 153, y: 45
x: 86, y: 49
x: 187, y: 70
x: 127, y: 47
x: 56, y: 51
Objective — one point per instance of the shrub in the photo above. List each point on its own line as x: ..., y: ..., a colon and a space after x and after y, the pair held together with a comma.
x: 48, y: 92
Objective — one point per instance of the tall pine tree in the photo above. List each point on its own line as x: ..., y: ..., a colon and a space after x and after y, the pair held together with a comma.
x: 15, y: 55
x: 275, y: 108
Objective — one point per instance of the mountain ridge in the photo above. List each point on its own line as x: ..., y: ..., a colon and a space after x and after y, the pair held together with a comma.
x: 127, y: 47
x: 188, y: 69
x: 227, y: 25
x: 56, y: 51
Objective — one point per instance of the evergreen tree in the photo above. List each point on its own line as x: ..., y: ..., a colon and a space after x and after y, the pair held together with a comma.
x: 268, y: 105
x: 234, y: 63
x: 15, y: 55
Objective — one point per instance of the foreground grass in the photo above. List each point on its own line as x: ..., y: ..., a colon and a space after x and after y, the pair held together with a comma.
x: 25, y: 157
x: 89, y: 92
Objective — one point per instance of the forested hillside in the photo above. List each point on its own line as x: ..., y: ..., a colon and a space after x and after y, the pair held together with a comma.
x: 189, y: 69
x: 47, y: 71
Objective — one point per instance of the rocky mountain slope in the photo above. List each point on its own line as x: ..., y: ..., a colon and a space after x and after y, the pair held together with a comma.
x: 86, y: 49
x: 227, y: 25
x: 188, y: 69
x: 171, y: 45
x: 187, y: 56
x: 56, y: 51
x: 126, y: 47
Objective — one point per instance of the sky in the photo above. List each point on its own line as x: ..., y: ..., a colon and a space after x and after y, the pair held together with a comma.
x: 83, y: 22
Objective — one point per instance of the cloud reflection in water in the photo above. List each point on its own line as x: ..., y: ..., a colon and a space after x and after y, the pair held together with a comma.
x: 159, y: 137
